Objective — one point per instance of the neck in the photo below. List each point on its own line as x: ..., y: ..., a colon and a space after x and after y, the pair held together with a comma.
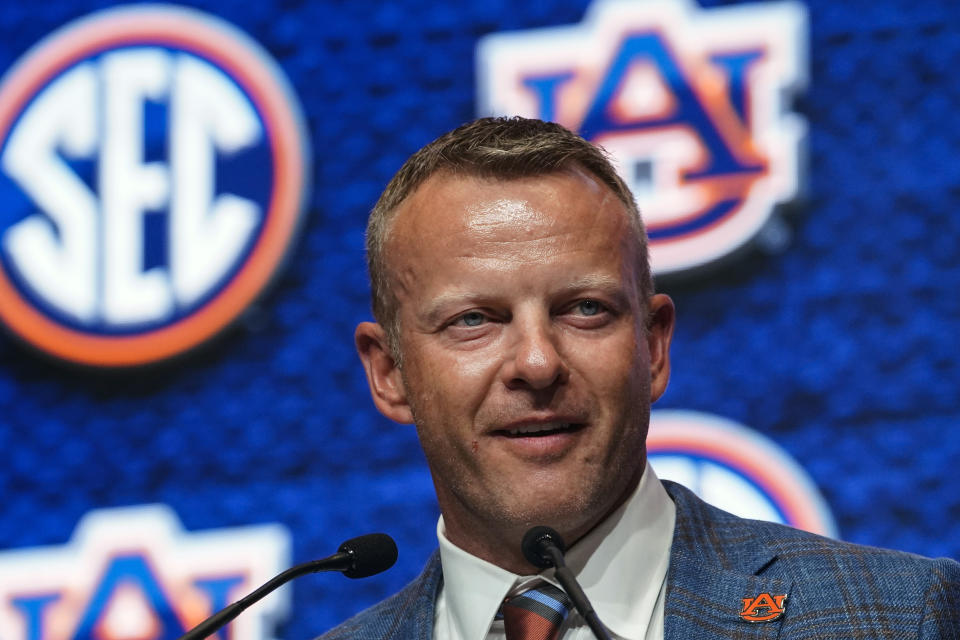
x: 499, y: 542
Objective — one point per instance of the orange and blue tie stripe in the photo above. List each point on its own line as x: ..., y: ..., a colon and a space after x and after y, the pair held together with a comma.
x: 536, y: 614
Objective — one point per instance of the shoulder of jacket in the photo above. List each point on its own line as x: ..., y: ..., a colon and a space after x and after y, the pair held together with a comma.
x: 411, y: 605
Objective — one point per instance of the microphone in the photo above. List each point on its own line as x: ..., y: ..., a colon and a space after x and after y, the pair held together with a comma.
x: 544, y: 548
x: 368, y: 555
x: 356, y: 558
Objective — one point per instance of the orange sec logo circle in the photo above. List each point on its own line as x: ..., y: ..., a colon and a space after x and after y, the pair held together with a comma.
x: 154, y: 171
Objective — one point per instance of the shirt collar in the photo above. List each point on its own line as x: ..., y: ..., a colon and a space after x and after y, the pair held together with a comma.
x: 637, y: 535
x: 473, y: 588
x: 622, y: 563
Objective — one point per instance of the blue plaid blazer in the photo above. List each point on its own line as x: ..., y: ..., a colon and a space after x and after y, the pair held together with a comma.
x: 834, y: 590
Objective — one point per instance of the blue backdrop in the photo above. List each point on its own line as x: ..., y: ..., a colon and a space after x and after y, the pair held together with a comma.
x: 841, y: 345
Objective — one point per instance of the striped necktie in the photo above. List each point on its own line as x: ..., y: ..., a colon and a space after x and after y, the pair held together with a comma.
x: 536, y: 614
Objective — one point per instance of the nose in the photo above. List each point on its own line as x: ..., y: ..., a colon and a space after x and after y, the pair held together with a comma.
x: 535, y: 361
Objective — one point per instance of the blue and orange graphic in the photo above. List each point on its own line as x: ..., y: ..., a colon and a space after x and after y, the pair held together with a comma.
x: 132, y: 573
x: 692, y: 104
x: 737, y: 469
x: 154, y: 168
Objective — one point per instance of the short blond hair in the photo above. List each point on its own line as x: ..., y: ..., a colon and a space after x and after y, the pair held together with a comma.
x: 497, y: 148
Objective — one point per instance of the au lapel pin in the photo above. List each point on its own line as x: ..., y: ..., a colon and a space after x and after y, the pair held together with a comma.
x: 763, y: 608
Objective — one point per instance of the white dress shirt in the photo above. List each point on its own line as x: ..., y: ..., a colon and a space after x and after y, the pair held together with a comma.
x: 621, y: 565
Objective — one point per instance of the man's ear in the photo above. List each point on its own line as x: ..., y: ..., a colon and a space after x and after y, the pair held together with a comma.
x: 661, y: 316
x: 383, y: 374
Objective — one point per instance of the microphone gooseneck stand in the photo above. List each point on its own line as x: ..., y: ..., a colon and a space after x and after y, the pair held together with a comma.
x: 356, y: 558
x: 543, y: 547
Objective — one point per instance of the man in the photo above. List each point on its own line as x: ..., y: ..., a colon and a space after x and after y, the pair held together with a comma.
x: 518, y: 329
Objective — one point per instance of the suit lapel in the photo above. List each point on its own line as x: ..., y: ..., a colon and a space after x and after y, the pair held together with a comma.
x: 412, y: 618
x: 715, y: 563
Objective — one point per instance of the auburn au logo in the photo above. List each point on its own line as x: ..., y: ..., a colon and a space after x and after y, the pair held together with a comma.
x: 691, y: 103
x: 133, y: 573
x: 763, y: 608
x: 153, y: 168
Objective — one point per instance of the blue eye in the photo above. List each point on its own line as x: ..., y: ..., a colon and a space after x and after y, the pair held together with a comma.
x: 472, y: 319
x: 589, y: 307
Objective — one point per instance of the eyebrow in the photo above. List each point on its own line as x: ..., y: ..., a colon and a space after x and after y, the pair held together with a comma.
x: 602, y: 282
x: 610, y: 286
x: 436, y: 309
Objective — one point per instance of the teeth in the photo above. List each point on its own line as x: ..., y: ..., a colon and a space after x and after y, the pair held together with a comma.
x: 538, y: 428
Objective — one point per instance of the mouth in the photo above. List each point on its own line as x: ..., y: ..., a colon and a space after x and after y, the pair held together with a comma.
x: 541, y: 430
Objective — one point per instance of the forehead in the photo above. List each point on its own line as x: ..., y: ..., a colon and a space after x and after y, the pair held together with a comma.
x: 469, y: 233
x: 448, y: 209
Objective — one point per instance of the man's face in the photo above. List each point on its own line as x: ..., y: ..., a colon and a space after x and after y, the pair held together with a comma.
x: 526, y: 366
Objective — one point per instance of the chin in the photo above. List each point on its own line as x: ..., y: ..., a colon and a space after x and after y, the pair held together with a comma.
x: 568, y: 514
x: 575, y: 507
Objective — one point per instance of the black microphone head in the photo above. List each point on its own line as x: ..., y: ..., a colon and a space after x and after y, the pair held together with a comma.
x: 372, y: 553
x: 535, y: 543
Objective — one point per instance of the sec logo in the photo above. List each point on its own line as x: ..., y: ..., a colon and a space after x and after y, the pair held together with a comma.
x: 153, y: 172
x: 692, y: 104
x: 736, y: 469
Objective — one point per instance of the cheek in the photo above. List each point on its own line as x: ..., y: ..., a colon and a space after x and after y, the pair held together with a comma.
x: 444, y: 395
x: 475, y: 368
x: 620, y: 381
x: 614, y: 364
x: 452, y: 378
